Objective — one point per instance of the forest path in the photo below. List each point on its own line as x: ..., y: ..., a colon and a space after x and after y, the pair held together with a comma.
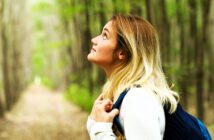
x: 43, y: 115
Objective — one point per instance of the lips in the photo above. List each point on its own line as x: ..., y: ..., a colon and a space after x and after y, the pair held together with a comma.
x: 93, y: 50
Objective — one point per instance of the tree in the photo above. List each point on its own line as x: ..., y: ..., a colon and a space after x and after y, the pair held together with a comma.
x: 164, y: 28
x: 86, y: 45
x: 210, y: 58
x: 1, y: 22
x: 5, y: 62
x: 136, y: 8
x: 149, y: 12
x: 12, y: 67
x: 206, y: 4
x: 184, y: 59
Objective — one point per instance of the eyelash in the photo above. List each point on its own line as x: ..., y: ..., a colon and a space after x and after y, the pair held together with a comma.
x: 104, y: 35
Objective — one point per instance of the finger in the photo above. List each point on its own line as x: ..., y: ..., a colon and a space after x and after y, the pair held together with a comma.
x: 106, y: 103
x: 100, y: 97
x: 99, y: 100
x: 108, y: 107
x: 113, y: 113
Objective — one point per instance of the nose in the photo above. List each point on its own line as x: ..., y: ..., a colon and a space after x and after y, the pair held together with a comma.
x: 93, y: 41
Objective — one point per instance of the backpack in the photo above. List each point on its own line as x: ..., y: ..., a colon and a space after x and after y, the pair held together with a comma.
x: 179, y: 126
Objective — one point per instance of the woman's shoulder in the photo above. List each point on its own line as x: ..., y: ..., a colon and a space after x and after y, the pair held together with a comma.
x: 141, y: 106
x: 140, y: 93
x: 139, y: 97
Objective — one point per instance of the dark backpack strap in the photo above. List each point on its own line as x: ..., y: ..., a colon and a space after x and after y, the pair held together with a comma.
x: 117, y: 105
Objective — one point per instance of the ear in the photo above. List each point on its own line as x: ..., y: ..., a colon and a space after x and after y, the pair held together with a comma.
x: 121, y: 55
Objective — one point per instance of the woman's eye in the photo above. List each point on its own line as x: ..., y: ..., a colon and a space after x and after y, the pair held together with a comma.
x: 104, y: 35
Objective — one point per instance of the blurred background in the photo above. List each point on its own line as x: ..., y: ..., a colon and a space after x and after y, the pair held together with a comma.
x: 43, y: 60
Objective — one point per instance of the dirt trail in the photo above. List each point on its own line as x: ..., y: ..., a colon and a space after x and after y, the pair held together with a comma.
x: 43, y: 115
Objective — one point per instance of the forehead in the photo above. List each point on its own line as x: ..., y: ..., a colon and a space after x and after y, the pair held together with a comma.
x: 108, y: 24
x: 109, y: 27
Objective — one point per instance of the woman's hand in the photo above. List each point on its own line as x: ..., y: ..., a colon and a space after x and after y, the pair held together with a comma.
x: 101, y: 111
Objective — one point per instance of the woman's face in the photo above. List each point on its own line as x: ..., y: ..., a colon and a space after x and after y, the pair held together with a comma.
x: 103, y: 52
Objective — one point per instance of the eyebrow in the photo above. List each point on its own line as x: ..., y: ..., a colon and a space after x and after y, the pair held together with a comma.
x: 106, y: 29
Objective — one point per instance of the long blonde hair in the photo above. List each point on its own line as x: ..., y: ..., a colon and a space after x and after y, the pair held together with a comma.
x: 139, y: 40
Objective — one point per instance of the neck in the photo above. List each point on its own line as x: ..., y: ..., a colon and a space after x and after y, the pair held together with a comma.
x: 108, y: 73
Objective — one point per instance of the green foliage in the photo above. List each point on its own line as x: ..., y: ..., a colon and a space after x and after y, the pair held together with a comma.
x: 43, y: 7
x: 47, y: 82
x: 80, y: 96
x: 171, y: 7
x: 38, y: 61
x: 121, y: 6
x: 67, y: 9
x: 57, y: 44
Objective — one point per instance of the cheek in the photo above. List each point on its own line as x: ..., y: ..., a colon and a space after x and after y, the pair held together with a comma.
x: 104, y: 51
x: 102, y: 56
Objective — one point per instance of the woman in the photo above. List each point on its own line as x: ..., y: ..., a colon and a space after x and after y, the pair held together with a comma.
x: 128, y: 51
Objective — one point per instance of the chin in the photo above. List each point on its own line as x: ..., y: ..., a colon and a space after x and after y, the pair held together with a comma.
x: 91, y: 58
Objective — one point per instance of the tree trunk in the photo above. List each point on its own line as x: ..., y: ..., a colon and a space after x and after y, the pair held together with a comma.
x: 199, y: 57
x: 1, y: 22
x: 5, y: 64
x: 165, y: 39
x: 136, y: 8
x: 210, y: 58
x: 210, y: 76
x: 77, y: 65
x: 68, y: 52
x: 203, y: 44
x: 149, y: 13
x: 16, y: 52
x: 87, y: 46
x: 183, y: 80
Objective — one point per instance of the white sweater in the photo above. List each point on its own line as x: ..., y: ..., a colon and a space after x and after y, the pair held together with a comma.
x: 141, y: 116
